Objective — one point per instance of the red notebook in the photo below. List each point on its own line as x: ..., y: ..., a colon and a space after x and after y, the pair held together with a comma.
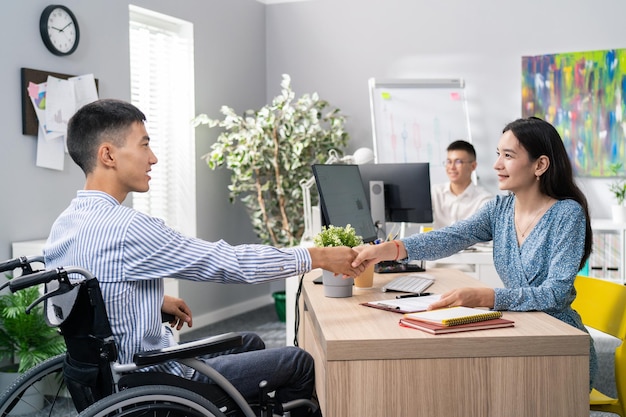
x: 434, y: 328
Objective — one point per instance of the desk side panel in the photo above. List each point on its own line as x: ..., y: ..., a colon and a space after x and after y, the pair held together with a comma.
x: 470, y: 387
x: 312, y: 344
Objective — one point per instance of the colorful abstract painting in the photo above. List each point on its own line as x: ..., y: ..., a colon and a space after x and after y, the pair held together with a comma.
x: 582, y: 95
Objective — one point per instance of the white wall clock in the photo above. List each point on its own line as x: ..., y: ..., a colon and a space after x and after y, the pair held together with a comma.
x: 59, y: 30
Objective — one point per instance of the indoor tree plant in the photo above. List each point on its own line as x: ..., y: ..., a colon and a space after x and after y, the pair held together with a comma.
x: 269, y: 152
x: 331, y: 236
x: 618, y: 188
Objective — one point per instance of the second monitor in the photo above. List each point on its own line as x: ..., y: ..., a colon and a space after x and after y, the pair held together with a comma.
x: 406, y: 190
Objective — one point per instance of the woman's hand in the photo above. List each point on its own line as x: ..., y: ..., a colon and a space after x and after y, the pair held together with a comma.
x: 387, y: 251
x: 468, y: 297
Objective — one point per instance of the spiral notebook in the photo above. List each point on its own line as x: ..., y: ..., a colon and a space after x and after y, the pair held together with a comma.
x: 454, y: 316
x: 434, y: 328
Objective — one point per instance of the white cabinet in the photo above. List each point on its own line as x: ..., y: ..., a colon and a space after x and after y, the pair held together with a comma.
x: 28, y: 248
x: 607, y: 256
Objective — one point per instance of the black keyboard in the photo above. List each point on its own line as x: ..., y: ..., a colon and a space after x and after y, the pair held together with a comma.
x: 390, y: 267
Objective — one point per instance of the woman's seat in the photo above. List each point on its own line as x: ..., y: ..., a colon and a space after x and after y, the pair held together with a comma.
x: 602, y: 306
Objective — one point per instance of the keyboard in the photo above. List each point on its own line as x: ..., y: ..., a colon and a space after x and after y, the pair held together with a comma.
x: 390, y: 267
x: 410, y: 283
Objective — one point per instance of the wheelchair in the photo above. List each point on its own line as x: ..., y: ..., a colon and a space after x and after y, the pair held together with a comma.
x: 88, y: 381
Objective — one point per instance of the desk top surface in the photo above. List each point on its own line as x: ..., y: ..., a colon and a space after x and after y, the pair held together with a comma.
x: 347, y: 330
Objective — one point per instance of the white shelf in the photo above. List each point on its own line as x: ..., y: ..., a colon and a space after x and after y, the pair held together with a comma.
x: 607, y: 258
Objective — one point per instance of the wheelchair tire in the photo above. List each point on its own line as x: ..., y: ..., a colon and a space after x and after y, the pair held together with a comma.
x: 47, y: 394
x: 153, y: 401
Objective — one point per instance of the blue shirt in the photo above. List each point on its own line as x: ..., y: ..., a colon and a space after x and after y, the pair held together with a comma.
x: 538, y: 275
x: 130, y: 252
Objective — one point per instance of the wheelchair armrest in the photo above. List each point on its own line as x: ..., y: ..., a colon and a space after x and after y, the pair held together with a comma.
x: 193, y: 349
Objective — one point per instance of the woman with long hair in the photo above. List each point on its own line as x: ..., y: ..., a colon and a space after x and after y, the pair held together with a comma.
x: 541, y: 231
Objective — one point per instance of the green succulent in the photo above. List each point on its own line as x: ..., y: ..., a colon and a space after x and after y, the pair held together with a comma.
x: 337, y: 236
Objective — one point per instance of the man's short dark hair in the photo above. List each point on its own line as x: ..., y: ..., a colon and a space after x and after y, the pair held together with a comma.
x: 462, y: 145
x: 97, y: 122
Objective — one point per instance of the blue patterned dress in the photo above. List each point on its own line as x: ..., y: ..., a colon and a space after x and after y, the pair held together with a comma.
x: 538, y: 275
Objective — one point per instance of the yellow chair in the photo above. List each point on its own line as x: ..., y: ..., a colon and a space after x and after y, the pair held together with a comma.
x: 602, y: 306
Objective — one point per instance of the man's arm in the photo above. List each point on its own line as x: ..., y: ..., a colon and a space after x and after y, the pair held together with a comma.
x: 336, y: 259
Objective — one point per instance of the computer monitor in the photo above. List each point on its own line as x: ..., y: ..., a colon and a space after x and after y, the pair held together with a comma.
x: 406, y: 191
x: 343, y: 200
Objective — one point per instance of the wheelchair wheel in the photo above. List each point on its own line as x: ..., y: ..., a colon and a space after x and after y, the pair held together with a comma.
x: 40, y: 391
x: 153, y: 401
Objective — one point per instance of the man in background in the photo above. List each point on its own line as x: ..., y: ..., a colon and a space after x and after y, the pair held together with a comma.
x: 460, y: 197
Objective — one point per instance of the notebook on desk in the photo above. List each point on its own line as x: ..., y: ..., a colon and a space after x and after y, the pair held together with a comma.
x: 404, y: 305
x: 434, y: 328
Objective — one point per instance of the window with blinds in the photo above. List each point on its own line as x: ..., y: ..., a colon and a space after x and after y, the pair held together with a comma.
x: 162, y: 87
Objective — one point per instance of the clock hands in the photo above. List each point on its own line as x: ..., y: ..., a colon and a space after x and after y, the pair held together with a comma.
x: 64, y: 27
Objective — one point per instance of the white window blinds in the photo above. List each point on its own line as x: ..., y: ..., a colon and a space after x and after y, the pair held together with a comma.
x: 162, y: 87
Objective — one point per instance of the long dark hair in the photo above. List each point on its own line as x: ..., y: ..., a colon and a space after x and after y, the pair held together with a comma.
x: 539, y: 137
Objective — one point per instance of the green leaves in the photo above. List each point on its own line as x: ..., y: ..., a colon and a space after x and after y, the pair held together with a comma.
x: 337, y: 236
x: 269, y: 151
x: 618, y: 187
x: 26, y: 336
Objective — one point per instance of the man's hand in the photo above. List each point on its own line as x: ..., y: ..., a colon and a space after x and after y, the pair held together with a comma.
x: 336, y: 259
x: 179, y: 309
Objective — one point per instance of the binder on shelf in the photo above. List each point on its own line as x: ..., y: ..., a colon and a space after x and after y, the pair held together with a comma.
x: 454, y: 316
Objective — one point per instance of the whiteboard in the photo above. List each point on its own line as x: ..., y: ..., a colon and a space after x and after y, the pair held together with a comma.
x: 416, y: 120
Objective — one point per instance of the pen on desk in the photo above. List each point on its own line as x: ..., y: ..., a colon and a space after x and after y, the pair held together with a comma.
x: 423, y: 294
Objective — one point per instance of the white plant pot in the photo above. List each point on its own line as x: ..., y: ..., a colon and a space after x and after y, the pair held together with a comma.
x: 336, y: 286
x: 618, y: 214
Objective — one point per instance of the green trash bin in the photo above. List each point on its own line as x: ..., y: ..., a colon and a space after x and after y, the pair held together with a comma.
x: 279, y: 304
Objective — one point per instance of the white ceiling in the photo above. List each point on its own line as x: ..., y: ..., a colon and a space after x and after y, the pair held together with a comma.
x: 279, y: 1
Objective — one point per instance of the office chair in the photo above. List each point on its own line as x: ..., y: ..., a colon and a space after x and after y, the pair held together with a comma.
x: 100, y: 386
x: 602, y: 306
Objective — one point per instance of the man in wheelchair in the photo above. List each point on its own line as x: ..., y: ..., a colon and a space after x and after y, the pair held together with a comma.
x: 130, y: 253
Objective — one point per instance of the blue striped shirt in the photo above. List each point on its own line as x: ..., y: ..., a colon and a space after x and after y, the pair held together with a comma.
x: 130, y: 252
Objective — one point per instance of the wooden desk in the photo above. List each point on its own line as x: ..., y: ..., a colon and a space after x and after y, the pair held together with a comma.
x: 367, y: 365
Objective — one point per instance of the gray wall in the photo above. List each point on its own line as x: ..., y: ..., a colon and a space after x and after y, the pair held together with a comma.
x: 230, y: 69
x: 334, y: 46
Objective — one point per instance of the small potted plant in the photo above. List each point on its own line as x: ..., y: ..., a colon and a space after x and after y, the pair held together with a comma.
x: 337, y: 286
x: 618, y: 188
x: 26, y: 339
